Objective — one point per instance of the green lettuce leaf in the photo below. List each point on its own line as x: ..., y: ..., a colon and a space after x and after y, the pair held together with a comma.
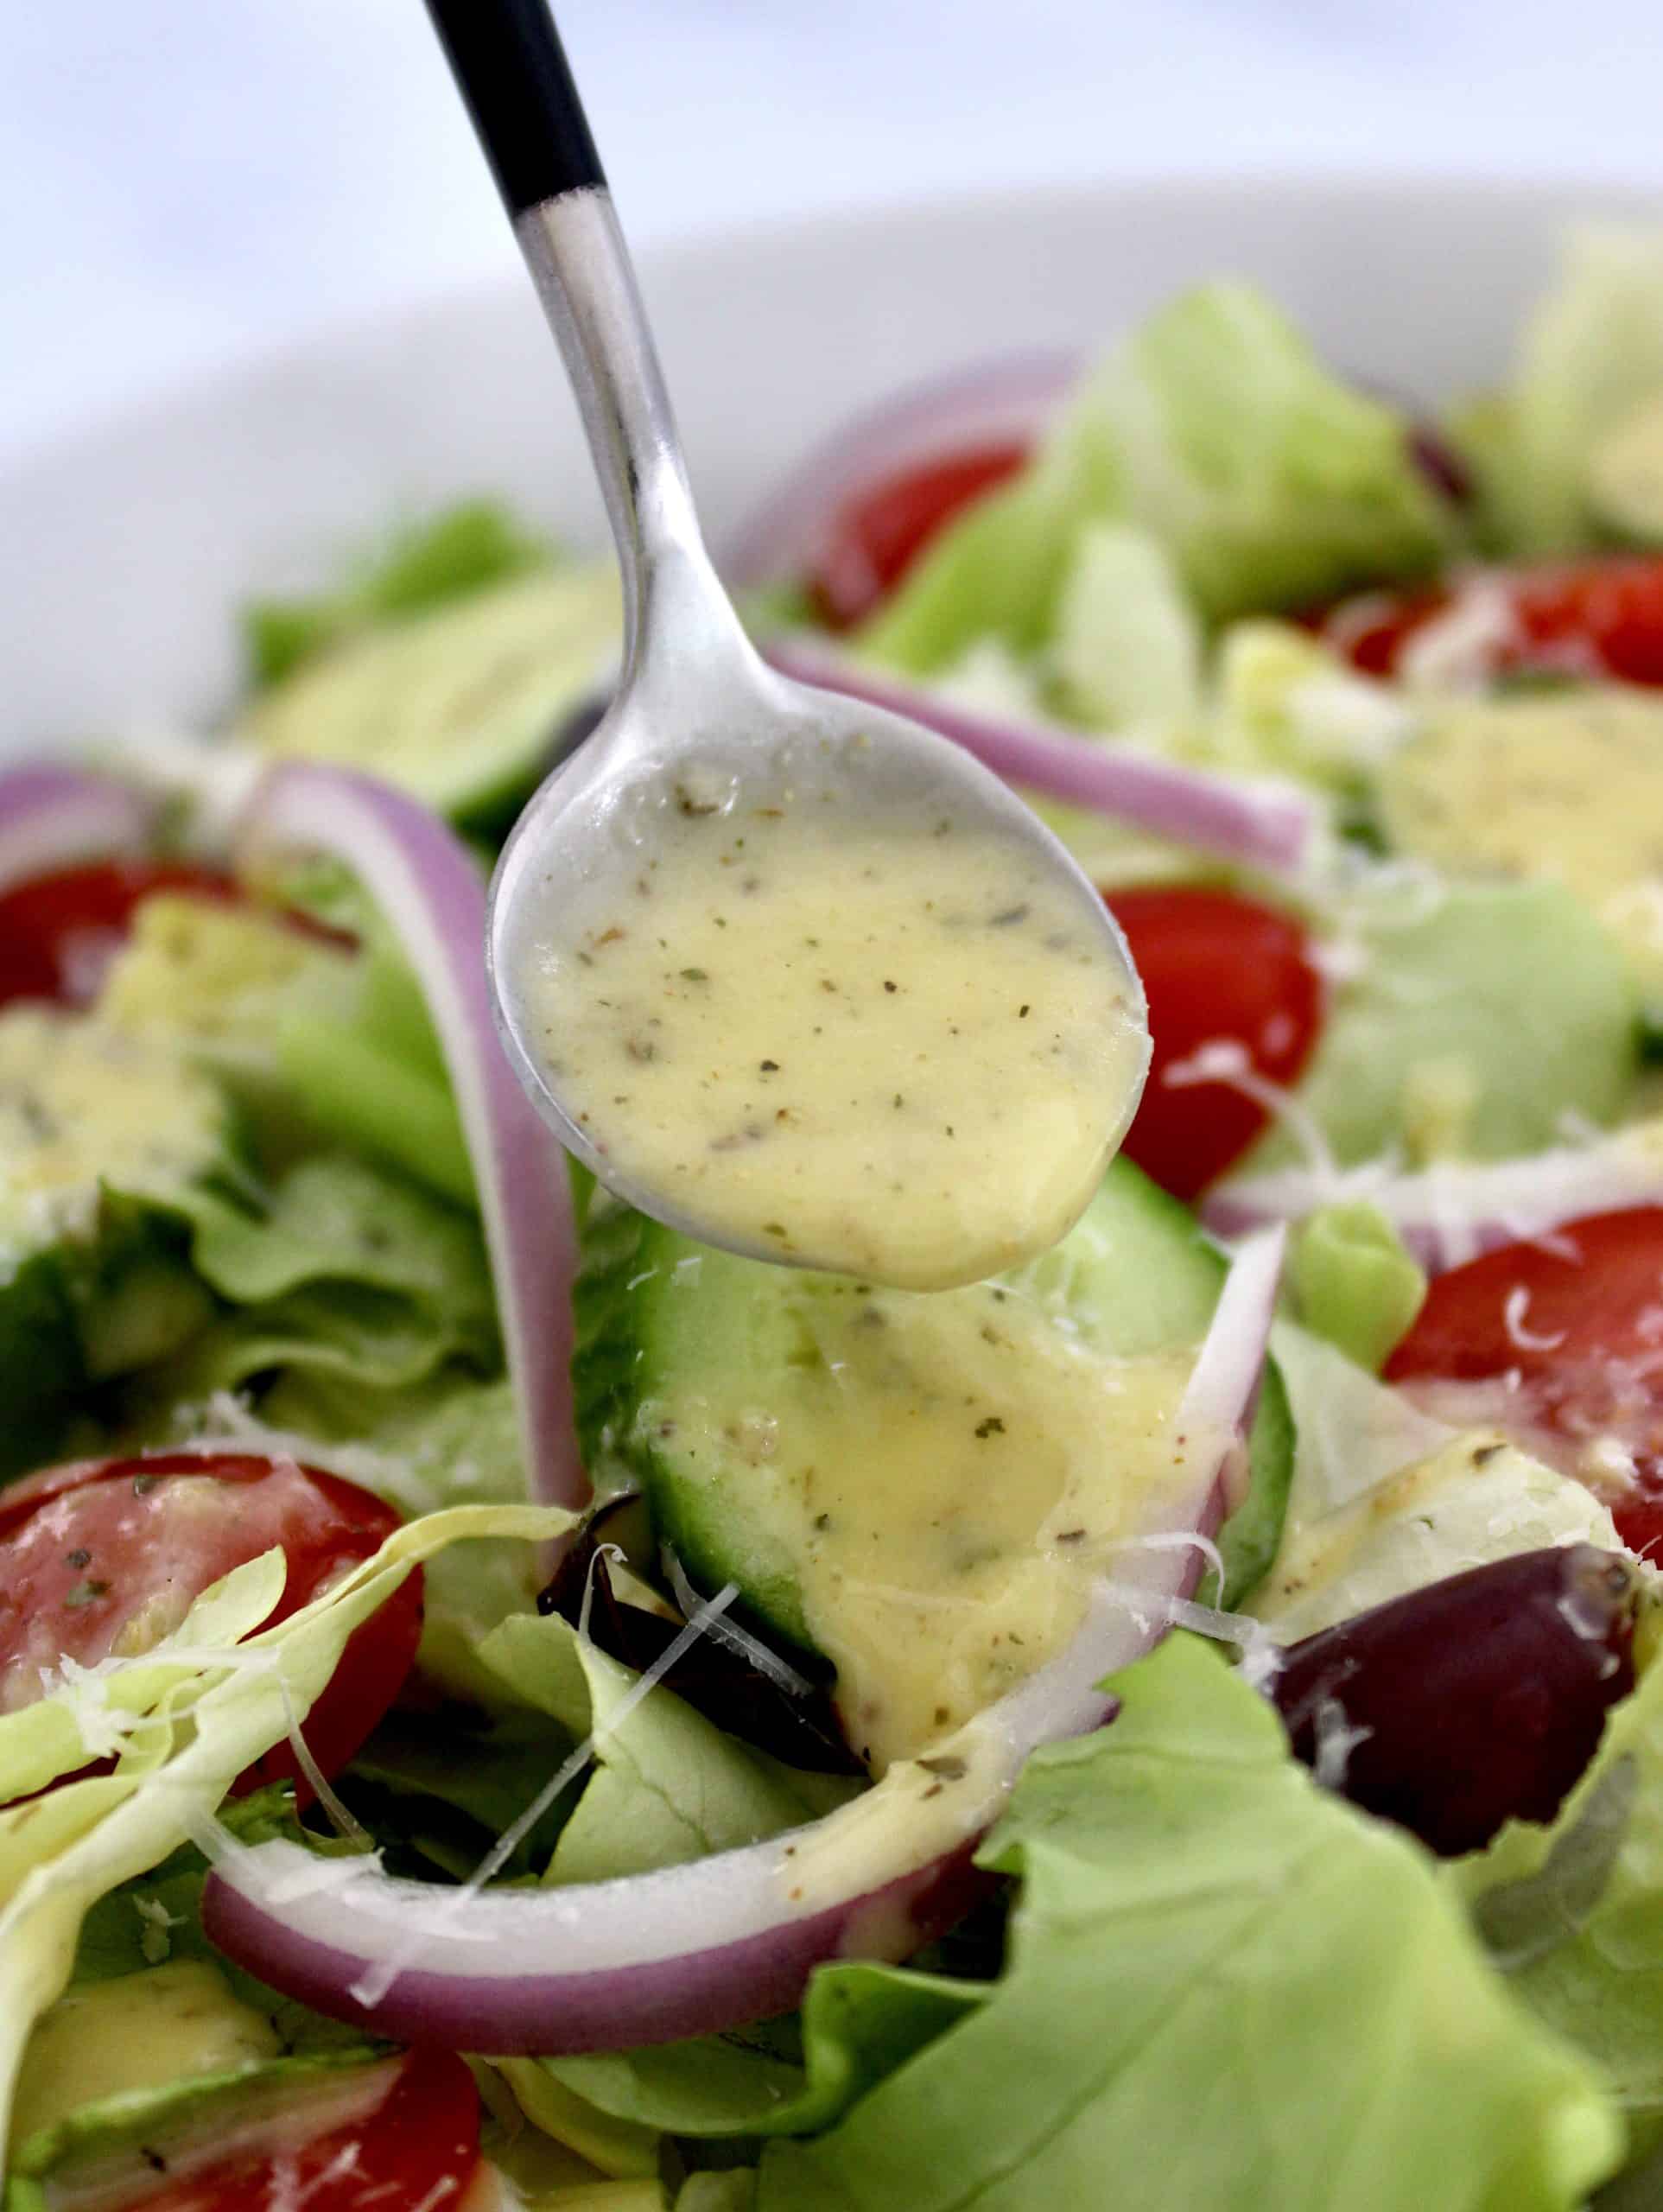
x: 316, y: 1043
x: 339, y: 1270
x: 439, y: 1788
x: 452, y: 1441
x: 421, y: 565
x: 184, y: 1720
x: 667, y: 1785
x: 795, y: 2077
x: 1284, y: 703
x: 1385, y: 1500
x: 1354, y: 1282
x: 1590, y: 362
x: 1572, y: 1913
x: 223, y: 2042
x: 1479, y: 1015
x: 1224, y: 1988
x: 1126, y: 653
x: 1215, y: 429
x: 335, y: 1218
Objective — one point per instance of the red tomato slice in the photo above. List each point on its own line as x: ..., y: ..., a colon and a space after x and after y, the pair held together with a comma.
x: 875, y: 538
x: 108, y: 1554
x: 59, y: 933
x: 1569, y: 1337
x: 1215, y: 969
x: 417, y: 2146
x: 1597, y: 618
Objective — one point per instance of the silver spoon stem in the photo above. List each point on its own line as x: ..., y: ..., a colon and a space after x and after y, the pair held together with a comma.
x: 673, y: 599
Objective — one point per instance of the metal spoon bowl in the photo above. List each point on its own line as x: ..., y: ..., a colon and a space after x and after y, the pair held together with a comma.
x: 695, y: 699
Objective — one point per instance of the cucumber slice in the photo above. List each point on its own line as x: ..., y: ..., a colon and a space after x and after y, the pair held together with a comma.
x: 710, y: 1379
x: 99, y: 1134
x: 459, y: 706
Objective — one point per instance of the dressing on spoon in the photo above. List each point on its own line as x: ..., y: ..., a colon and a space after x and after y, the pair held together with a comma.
x: 892, y: 1050
x: 794, y: 975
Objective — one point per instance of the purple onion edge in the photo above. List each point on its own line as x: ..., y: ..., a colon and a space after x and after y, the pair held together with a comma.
x: 555, y: 2015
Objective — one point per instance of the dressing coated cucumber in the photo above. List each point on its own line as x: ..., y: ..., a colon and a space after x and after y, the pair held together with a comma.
x: 690, y: 1362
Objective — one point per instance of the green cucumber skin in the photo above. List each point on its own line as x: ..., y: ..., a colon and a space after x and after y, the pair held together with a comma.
x: 1152, y: 1282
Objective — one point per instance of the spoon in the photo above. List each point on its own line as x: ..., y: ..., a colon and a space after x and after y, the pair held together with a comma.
x: 823, y: 1084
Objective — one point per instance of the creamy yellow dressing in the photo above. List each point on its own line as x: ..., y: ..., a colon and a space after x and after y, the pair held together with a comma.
x: 1567, y: 785
x: 948, y: 1475
x: 82, y: 1106
x: 900, y: 1053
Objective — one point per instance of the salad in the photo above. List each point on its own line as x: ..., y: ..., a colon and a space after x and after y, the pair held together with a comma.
x: 501, y: 1705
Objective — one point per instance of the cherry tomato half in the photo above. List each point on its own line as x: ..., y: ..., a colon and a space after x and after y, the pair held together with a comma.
x: 60, y: 932
x: 1570, y: 1334
x: 1593, y: 617
x: 418, y: 2145
x: 108, y: 1555
x: 1216, y: 968
x: 876, y: 536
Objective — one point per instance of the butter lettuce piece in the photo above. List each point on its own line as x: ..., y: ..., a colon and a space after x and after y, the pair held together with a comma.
x: 1126, y: 652
x: 1354, y: 1282
x: 1385, y: 1500
x: 451, y: 1440
x: 1572, y: 1913
x: 1351, y: 1432
x: 1478, y: 1498
x: 159, y: 2039
x: 1590, y: 359
x: 204, y: 1715
x: 316, y: 1042
x: 667, y: 1785
x: 440, y: 1787
x: 794, y: 2078
x: 1284, y: 702
x: 1226, y: 1989
x: 335, y: 1218
x: 421, y: 565
x: 732, y: 2190
x: 622, y: 2148
x: 1214, y: 428
x: 1479, y: 1016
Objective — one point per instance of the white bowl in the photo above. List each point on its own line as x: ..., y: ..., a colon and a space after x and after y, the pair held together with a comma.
x: 123, y: 553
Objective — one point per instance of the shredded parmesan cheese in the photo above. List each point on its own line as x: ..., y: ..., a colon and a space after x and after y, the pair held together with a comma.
x: 371, y: 1988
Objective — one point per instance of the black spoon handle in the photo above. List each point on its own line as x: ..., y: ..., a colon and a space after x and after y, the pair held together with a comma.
x: 509, y: 66
x: 513, y: 72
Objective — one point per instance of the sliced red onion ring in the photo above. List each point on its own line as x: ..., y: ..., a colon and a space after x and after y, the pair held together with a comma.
x: 652, y: 1957
x: 427, y: 884
x: 51, y: 816
x: 1267, y: 826
x: 998, y: 402
x: 1452, y: 1211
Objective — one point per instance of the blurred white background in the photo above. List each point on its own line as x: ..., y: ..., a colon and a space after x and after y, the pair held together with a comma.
x: 186, y: 182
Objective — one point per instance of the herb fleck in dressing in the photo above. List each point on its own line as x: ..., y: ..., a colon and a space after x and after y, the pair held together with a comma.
x: 901, y: 1056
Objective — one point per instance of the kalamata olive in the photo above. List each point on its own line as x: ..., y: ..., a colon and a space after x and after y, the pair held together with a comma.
x: 1472, y: 1703
x: 1439, y: 463
x: 798, y: 1726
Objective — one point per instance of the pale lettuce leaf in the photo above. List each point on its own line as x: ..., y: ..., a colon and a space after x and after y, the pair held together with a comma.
x: 203, y: 1713
x: 667, y: 1785
x: 1224, y: 1988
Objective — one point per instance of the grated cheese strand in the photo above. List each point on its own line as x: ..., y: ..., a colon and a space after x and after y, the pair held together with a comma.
x: 371, y: 1988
